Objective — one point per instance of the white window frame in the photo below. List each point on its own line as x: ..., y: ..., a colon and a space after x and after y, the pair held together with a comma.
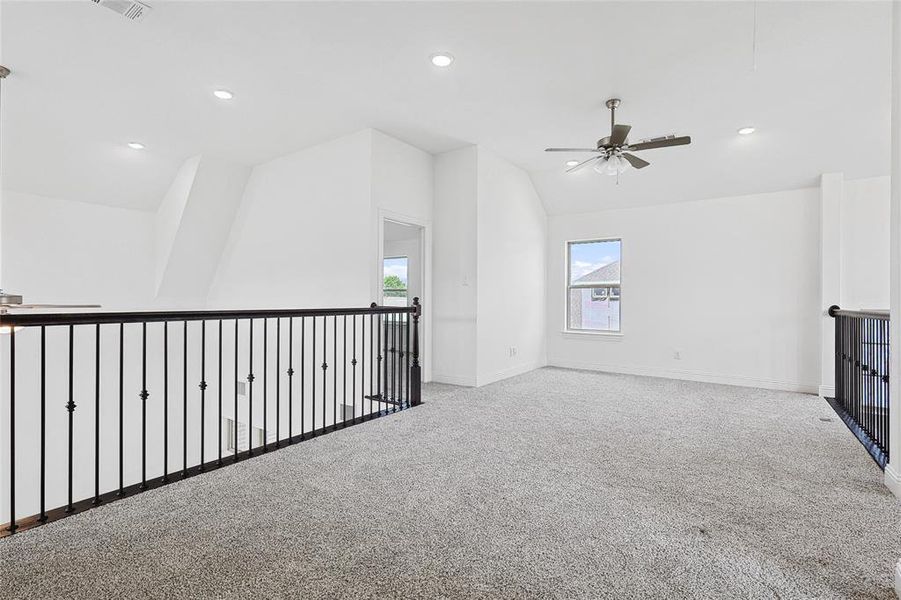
x: 569, y: 286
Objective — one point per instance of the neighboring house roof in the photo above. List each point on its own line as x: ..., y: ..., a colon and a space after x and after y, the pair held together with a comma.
x: 608, y: 274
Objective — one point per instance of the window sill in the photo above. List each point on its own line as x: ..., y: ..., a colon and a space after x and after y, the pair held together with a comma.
x: 612, y: 336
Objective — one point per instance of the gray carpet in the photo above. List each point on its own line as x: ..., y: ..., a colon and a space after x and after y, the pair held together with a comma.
x: 554, y: 484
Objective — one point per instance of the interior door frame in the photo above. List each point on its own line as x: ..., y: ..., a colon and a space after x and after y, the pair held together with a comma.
x: 425, y: 276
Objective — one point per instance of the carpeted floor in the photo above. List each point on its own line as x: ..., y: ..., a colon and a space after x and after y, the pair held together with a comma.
x: 554, y: 484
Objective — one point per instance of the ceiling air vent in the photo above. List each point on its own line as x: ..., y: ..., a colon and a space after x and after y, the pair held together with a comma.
x: 130, y: 9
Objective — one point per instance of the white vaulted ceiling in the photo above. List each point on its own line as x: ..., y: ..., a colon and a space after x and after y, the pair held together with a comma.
x: 526, y: 76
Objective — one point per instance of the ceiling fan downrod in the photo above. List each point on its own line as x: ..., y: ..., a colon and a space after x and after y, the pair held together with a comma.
x: 613, y: 104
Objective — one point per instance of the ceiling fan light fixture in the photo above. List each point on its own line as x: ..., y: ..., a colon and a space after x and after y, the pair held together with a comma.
x: 746, y: 131
x: 614, y: 165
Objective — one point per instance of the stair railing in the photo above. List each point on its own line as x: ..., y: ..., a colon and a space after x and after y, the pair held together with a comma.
x: 105, y: 405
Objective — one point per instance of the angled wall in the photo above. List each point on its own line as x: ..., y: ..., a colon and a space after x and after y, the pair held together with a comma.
x: 193, y: 224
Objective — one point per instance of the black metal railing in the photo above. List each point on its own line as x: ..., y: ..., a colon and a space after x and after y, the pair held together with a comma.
x: 160, y: 404
x: 862, y: 377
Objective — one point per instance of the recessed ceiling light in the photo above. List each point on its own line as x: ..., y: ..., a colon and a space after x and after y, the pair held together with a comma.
x: 746, y: 131
x: 572, y: 163
x: 442, y: 60
x: 136, y: 145
x: 223, y: 94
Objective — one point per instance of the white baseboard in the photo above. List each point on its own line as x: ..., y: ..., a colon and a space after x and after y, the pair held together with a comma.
x: 686, y: 375
x: 485, y: 380
x: 511, y: 372
x: 893, y: 480
x: 898, y: 579
x: 454, y: 380
x: 827, y: 391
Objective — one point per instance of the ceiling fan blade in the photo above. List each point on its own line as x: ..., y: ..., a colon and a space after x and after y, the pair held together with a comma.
x: 636, y: 162
x: 583, y: 164
x: 661, y: 142
x: 571, y: 150
x: 620, y: 132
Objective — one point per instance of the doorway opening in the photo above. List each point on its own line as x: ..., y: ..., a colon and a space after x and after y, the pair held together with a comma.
x: 402, y: 269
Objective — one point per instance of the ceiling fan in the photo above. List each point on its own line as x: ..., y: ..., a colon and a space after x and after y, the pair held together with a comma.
x: 15, y: 301
x: 613, y: 154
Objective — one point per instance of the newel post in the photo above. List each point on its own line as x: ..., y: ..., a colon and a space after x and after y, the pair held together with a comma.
x: 415, y: 374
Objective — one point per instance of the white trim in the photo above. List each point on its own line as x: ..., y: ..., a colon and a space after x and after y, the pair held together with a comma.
x: 610, y: 336
x: 827, y: 391
x: 686, y: 375
x: 893, y: 481
x: 898, y: 579
x: 454, y: 380
x: 567, y: 284
x: 428, y: 307
x: 511, y: 372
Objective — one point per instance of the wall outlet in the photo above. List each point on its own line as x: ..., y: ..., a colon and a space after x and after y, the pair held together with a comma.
x: 511, y: 351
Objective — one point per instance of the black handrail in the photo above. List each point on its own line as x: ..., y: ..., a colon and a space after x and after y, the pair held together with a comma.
x: 397, y: 388
x: 88, y: 318
x: 862, y: 362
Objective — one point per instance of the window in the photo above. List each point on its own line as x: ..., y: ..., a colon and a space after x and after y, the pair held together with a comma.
x: 394, y: 287
x: 593, y: 285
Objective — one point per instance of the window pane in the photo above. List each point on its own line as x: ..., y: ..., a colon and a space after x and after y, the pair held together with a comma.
x: 595, y: 265
x: 395, y: 284
x: 594, y: 262
x: 591, y: 308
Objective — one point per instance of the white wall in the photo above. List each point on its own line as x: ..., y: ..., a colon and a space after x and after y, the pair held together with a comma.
x: 455, y: 267
x: 57, y: 250
x: 195, y: 219
x: 512, y: 235
x: 731, y: 283
x: 302, y: 234
x: 490, y: 232
x: 865, y: 225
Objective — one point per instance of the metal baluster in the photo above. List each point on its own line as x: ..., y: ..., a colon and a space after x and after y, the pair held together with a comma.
x: 12, y: 430
x: 353, y: 380
x: 313, y: 380
x: 407, y: 357
x: 378, y: 370
x: 394, y: 356
x: 383, y: 391
x: 303, y: 326
x: 415, y: 376
x: 250, y: 395
x: 165, y: 403
x: 291, y: 383
x: 235, y: 421
x: 335, y: 372
x: 184, y: 421
x: 372, y: 358
x: 219, y: 390
x: 202, y: 387
x: 43, y: 514
x: 265, y: 382
x: 121, y: 406
x: 70, y: 407
x: 96, y: 414
x: 278, y: 366
x: 324, y: 368
x: 144, y: 394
